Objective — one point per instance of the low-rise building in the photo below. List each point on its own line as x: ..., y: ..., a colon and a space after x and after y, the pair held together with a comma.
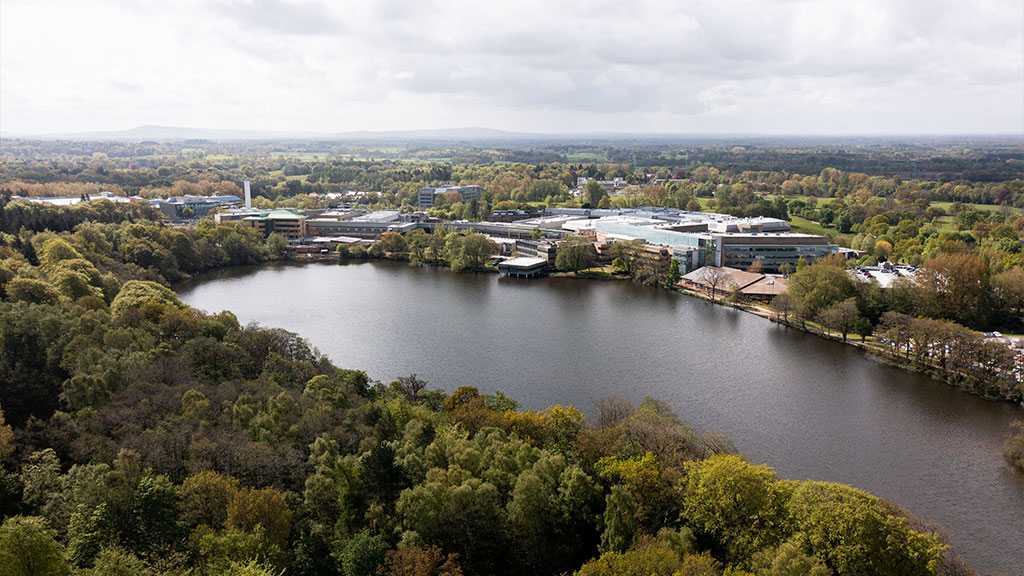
x: 698, y: 237
x: 766, y: 288
x: 358, y: 224
x: 719, y: 281
x: 523, y: 267
x: 426, y: 197
x: 72, y: 200
x: 538, y: 249
x: 287, y: 222
x: 190, y: 206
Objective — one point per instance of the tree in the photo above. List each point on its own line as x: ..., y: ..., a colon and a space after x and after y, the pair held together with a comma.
x: 646, y: 558
x: 819, y: 286
x: 734, y: 507
x: 204, y: 498
x: 783, y: 304
x: 419, y: 561
x: 276, y: 245
x: 6, y: 441
x: 28, y: 548
x: 789, y: 560
x: 674, y: 276
x: 116, y: 561
x: 841, y: 317
x: 712, y: 277
x: 416, y: 242
x: 393, y: 243
x: 362, y: 553
x: 619, y: 520
x: 56, y: 249
x: 626, y: 255
x: 32, y: 290
x: 853, y: 533
x: 136, y: 293
x: 469, y: 252
x: 266, y: 508
x: 1008, y: 287
x: 699, y: 565
x: 156, y: 513
x: 575, y: 253
x: 952, y: 286
x: 593, y: 193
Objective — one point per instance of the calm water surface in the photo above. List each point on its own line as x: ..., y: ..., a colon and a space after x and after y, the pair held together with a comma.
x: 809, y: 407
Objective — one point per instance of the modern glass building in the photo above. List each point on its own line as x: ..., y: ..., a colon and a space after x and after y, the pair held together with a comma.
x: 735, y: 250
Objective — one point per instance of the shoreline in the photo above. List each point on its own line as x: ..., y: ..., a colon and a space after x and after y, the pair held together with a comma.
x: 604, y: 275
x: 874, y: 351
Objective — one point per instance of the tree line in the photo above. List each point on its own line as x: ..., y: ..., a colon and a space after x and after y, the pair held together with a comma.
x: 922, y: 319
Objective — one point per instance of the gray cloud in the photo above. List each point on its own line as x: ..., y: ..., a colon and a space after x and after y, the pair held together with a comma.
x: 706, y: 65
x: 280, y: 16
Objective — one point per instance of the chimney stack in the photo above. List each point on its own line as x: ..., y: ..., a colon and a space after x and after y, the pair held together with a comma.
x: 248, y: 196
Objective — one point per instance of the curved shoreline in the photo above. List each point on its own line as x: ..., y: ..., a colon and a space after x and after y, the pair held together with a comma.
x: 876, y: 352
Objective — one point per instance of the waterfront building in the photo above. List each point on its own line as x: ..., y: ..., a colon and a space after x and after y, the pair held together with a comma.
x: 698, y: 238
x: 284, y: 221
x: 537, y: 249
x: 523, y: 267
x: 358, y: 224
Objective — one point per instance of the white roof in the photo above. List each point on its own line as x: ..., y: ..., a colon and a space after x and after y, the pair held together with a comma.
x: 522, y: 262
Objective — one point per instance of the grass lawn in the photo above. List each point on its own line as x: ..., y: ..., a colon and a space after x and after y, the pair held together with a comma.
x: 804, y: 225
x: 947, y: 206
x: 585, y: 157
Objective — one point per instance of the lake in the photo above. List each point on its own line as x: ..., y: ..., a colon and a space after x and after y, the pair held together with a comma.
x: 810, y: 408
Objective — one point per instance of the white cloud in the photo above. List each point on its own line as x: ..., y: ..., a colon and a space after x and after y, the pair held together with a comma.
x: 873, y: 66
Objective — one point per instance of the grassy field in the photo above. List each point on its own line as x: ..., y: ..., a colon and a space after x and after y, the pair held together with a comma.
x: 585, y: 157
x: 947, y: 206
x: 804, y: 225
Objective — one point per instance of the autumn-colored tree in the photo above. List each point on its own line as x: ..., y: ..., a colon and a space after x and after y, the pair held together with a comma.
x: 265, y: 508
x: 952, y: 286
x: 420, y: 561
x: 205, y: 497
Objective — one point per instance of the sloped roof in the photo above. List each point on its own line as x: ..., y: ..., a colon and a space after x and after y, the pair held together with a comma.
x: 767, y: 286
x: 730, y: 278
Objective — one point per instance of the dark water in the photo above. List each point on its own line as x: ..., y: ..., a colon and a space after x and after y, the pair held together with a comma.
x: 809, y: 407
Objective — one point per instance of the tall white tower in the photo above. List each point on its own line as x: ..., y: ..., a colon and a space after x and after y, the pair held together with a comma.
x: 248, y: 196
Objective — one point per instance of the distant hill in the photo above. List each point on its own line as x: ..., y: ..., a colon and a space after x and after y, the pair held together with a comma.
x: 167, y: 133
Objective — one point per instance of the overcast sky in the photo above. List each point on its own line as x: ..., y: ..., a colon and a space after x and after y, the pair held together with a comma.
x: 703, y: 66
